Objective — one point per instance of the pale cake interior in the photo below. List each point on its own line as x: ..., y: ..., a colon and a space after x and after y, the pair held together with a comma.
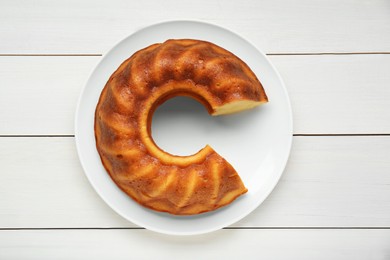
x: 236, y: 106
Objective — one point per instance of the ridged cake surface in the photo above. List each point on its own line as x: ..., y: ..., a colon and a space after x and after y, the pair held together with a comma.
x: 180, y: 185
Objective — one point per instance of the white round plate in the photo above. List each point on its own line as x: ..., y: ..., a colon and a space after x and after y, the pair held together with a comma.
x: 256, y: 142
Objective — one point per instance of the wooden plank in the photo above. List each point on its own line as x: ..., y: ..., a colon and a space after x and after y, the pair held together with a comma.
x: 338, y: 94
x: 328, y: 182
x: 274, y: 26
x: 223, y: 244
x: 38, y: 95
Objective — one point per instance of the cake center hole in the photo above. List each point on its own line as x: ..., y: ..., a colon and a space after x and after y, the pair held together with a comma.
x: 180, y: 126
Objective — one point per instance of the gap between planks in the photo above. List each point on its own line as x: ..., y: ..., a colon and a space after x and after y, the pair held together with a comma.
x: 231, y: 228
x: 268, y: 54
x: 297, y: 135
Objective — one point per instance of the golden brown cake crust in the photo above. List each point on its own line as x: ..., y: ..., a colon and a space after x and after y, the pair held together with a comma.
x: 182, y: 185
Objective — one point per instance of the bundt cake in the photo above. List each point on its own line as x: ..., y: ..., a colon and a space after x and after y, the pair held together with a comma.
x: 180, y: 185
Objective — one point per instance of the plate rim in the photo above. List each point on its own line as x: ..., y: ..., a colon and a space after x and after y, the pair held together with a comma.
x: 223, y: 223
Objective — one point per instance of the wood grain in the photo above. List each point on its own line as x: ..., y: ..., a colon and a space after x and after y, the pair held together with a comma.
x: 299, y: 26
x: 328, y: 182
x: 223, y: 244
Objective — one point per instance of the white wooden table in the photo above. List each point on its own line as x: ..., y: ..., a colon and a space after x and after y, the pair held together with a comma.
x: 333, y: 201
